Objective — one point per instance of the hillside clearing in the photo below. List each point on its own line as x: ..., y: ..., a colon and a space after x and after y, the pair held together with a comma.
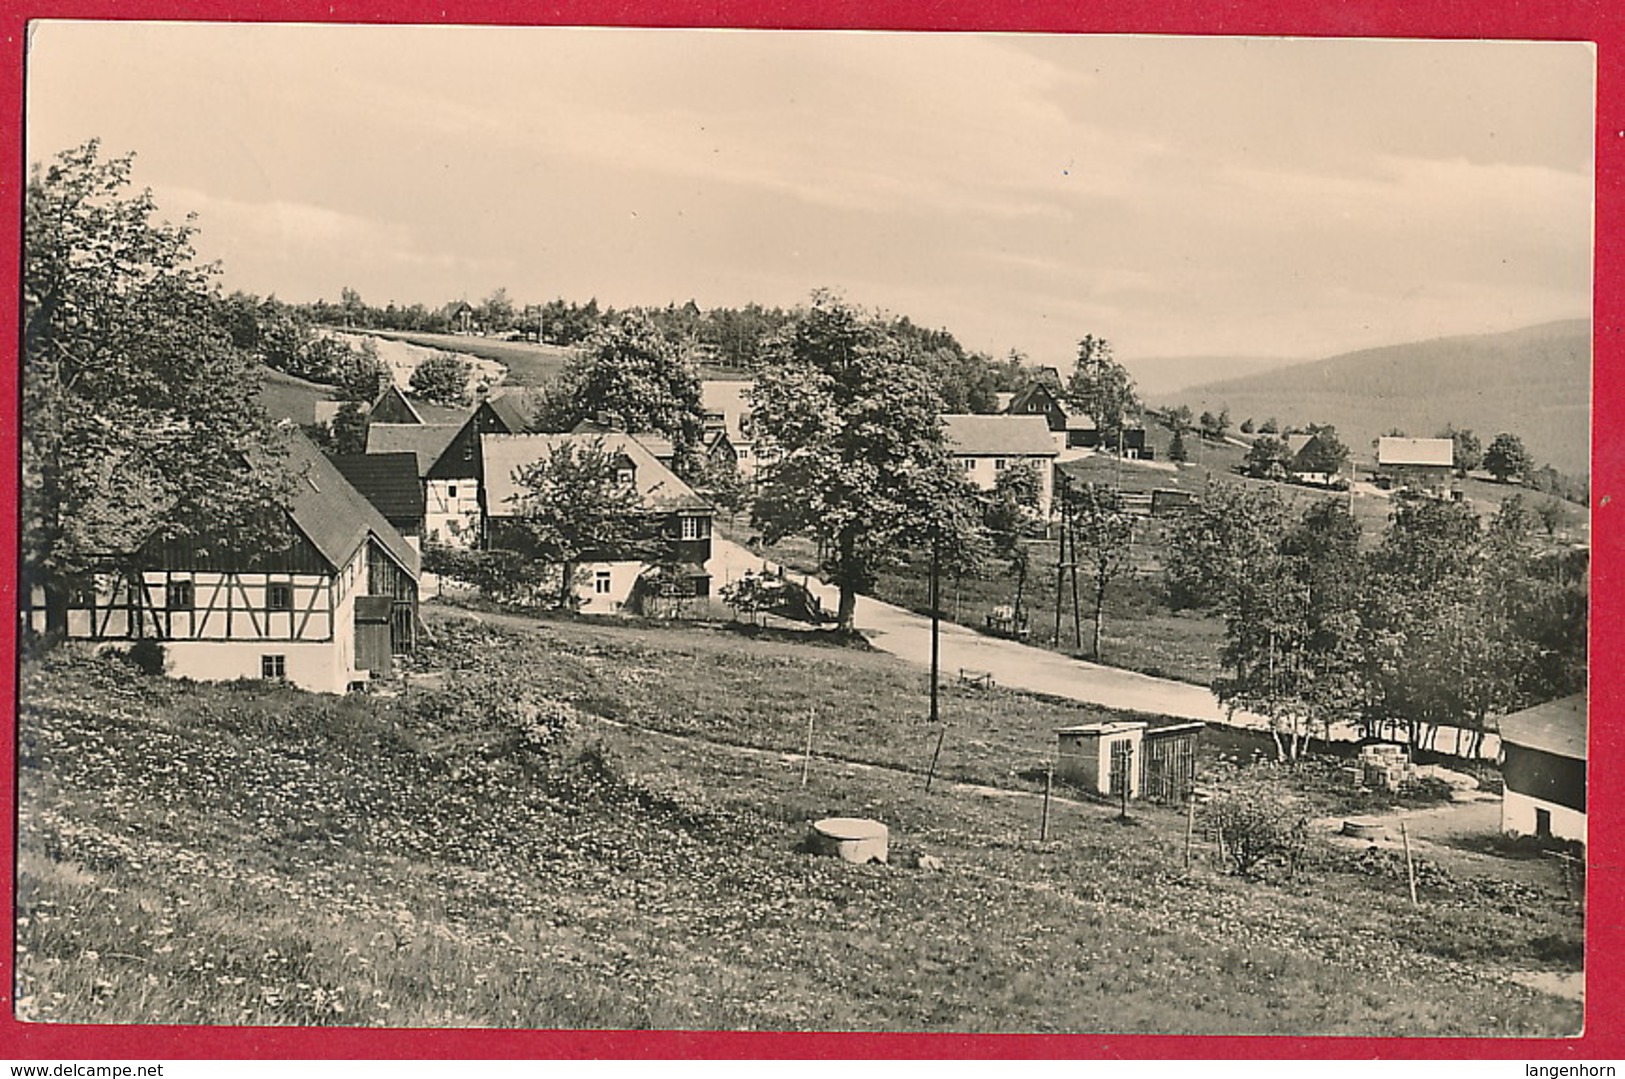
x: 251, y: 854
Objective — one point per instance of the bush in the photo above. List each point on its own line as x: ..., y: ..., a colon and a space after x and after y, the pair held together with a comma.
x: 1256, y: 832
x: 146, y: 656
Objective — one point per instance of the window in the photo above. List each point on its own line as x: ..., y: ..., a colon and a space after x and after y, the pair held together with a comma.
x: 178, y: 596
x: 279, y: 597
x: 274, y: 667
x: 998, y: 464
x: 451, y: 490
x: 694, y: 528
x: 625, y: 477
x: 82, y: 593
x: 600, y: 583
x: 969, y: 463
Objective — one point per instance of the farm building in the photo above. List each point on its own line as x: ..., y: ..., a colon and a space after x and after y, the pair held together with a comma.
x: 324, y: 598
x: 1420, y: 464
x: 390, y: 482
x: 1544, y: 768
x: 1156, y: 763
x: 672, y: 509
x: 985, y: 446
x: 448, y: 462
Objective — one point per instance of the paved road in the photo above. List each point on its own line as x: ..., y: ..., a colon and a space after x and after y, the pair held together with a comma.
x: 907, y: 635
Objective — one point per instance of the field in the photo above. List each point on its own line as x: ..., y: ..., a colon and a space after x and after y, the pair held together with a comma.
x: 527, y: 364
x: 610, y: 839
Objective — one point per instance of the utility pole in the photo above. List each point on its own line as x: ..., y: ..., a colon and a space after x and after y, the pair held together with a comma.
x: 935, y: 622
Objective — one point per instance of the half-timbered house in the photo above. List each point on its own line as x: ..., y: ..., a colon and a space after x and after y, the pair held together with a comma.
x: 323, y: 595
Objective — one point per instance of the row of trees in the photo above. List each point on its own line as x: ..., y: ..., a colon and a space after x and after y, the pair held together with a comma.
x: 1445, y: 621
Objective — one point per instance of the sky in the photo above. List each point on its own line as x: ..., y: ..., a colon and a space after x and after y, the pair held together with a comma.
x: 1177, y: 196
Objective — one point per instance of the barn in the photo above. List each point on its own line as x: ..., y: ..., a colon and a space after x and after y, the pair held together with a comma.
x: 1544, y: 770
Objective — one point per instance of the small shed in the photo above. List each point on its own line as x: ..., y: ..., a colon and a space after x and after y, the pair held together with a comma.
x: 1544, y: 769
x: 1168, y: 761
x: 1102, y: 757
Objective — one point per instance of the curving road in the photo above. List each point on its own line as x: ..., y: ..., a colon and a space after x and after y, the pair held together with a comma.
x: 907, y: 635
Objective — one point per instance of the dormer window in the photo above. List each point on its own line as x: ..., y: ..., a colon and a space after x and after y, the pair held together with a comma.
x: 625, y: 476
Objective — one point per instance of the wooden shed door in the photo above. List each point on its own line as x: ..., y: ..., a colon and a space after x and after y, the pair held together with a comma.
x: 372, y: 626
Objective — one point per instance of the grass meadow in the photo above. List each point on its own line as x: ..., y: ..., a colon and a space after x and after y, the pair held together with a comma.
x: 578, y: 824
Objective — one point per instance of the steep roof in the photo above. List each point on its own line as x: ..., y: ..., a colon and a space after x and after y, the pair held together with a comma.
x: 974, y: 435
x: 503, y: 455
x: 1556, y: 727
x: 388, y: 480
x: 333, y: 515
x: 1416, y: 451
x: 513, y: 410
x: 394, y: 406
x: 426, y: 441
x: 1018, y: 401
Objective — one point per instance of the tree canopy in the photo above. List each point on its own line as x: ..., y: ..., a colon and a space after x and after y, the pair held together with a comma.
x: 856, y: 450
x: 1102, y: 389
x: 140, y: 414
x: 442, y: 379
x: 1506, y: 459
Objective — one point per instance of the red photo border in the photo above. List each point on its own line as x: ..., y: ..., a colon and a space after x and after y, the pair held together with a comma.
x: 1599, y: 21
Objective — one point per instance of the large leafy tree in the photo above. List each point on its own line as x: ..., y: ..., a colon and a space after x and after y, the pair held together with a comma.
x: 1506, y: 459
x: 1213, y: 547
x: 629, y: 369
x: 1102, y: 389
x: 572, y: 507
x: 858, y: 464
x: 140, y: 414
x: 442, y: 379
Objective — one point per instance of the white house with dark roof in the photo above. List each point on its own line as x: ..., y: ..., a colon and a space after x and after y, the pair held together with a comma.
x: 1544, y: 770
x: 322, y: 598
x: 672, y: 507
x: 985, y: 446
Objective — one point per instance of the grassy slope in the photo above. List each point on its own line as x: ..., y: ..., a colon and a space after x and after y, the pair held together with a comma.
x: 250, y: 854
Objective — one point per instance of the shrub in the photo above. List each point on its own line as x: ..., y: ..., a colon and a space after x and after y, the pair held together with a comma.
x: 1255, y: 831
x: 146, y: 656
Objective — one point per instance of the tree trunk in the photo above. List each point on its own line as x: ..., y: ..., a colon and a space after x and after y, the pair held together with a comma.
x: 845, y: 614
x: 1100, y: 615
x: 567, y: 586
x: 56, y: 608
x: 1021, y: 587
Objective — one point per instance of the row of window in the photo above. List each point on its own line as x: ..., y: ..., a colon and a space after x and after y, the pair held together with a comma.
x: 182, y: 596
x: 999, y: 463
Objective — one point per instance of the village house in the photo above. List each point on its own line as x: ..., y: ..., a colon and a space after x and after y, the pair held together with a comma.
x: 725, y: 407
x: 1072, y: 429
x: 448, y: 462
x: 986, y: 446
x: 1544, y: 770
x: 674, y: 512
x: 390, y: 482
x: 324, y: 599
x: 393, y: 406
x: 1307, y: 455
x: 1424, y: 465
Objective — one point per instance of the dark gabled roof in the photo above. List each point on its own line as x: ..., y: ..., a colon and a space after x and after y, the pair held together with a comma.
x: 333, y: 515
x: 393, y: 406
x: 513, y: 410
x: 1018, y: 403
x: 425, y: 441
x: 1554, y: 727
x: 388, y: 480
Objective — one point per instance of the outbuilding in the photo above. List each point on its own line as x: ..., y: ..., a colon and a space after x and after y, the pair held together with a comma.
x: 1102, y: 757
x: 1544, y: 769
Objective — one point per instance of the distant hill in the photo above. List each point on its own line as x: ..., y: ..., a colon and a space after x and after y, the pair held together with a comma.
x: 1533, y: 382
x: 1156, y: 375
